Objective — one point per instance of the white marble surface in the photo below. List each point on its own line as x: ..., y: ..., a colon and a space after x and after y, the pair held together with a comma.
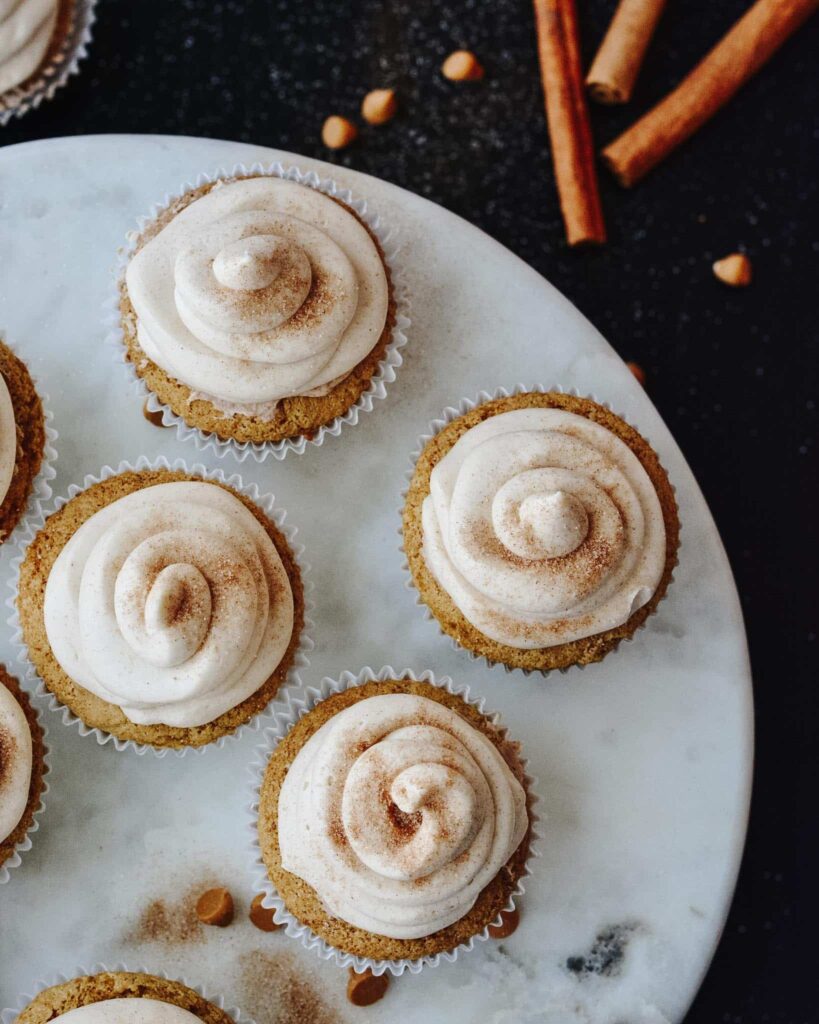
x: 644, y: 761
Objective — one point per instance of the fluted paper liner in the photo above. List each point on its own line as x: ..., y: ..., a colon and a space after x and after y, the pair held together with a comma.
x: 10, y: 1014
x: 55, y: 71
x: 26, y: 842
x: 293, y: 705
x: 387, y: 367
x: 266, y: 502
x: 41, y: 484
x: 435, y: 426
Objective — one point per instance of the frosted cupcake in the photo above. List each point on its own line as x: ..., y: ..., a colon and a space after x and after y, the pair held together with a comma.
x: 257, y: 309
x: 160, y: 607
x: 41, y: 42
x: 122, y: 997
x: 394, y: 821
x: 22, y: 767
x: 540, y: 530
x: 22, y: 439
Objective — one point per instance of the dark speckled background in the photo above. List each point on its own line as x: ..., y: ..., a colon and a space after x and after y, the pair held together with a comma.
x: 734, y: 373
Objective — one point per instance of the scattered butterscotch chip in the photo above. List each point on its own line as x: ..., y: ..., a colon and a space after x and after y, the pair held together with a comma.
x: 366, y: 988
x: 379, y: 106
x: 734, y: 270
x: 510, y: 919
x: 462, y: 66
x: 215, y: 907
x: 152, y: 417
x: 261, y: 916
x: 338, y: 132
x: 639, y: 372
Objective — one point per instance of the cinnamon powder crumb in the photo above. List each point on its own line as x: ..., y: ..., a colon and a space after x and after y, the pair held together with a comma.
x: 7, y: 745
x: 274, y: 990
x: 171, y: 922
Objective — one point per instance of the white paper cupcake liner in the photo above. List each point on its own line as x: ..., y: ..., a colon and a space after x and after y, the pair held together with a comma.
x: 41, y: 485
x: 293, y: 705
x: 266, y: 502
x: 387, y: 367
x: 450, y: 414
x: 10, y: 1014
x: 53, y: 74
x: 16, y: 859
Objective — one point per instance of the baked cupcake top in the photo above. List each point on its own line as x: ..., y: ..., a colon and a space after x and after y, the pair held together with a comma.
x: 543, y: 527
x: 26, y: 28
x: 129, y: 1010
x: 171, y: 602
x: 259, y: 290
x: 16, y: 760
x: 8, y: 439
x: 398, y: 812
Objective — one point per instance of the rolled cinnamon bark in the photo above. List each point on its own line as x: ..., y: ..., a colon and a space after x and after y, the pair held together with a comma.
x: 568, y: 120
x: 740, y: 54
x: 614, y: 70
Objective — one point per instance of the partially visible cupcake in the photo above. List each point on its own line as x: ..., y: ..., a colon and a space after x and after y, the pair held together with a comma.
x: 394, y: 821
x: 257, y: 309
x: 122, y: 997
x: 161, y: 607
x: 540, y: 530
x: 22, y: 767
x: 41, y: 42
x: 22, y: 439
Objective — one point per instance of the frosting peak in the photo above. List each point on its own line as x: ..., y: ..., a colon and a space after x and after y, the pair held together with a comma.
x: 543, y: 527
x: 26, y: 28
x: 398, y: 813
x: 171, y: 602
x: 260, y: 289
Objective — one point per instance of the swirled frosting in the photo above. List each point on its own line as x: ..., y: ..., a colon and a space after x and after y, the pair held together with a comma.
x: 398, y: 813
x: 15, y: 762
x: 171, y: 602
x: 26, y: 28
x: 259, y: 290
x: 129, y: 1010
x: 8, y: 439
x: 543, y: 527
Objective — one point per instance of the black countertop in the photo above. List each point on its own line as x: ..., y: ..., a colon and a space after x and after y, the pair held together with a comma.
x: 734, y: 373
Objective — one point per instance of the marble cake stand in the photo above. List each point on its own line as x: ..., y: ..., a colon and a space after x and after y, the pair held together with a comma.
x: 644, y: 761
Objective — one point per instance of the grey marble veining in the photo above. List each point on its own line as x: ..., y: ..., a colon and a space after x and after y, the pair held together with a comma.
x: 643, y: 761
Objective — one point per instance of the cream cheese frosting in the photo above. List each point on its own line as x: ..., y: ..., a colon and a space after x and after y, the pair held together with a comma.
x: 8, y: 439
x: 543, y: 527
x: 171, y: 602
x: 26, y: 28
x: 259, y: 290
x: 129, y: 1010
x: 15, y: 762
x: 398, y: 813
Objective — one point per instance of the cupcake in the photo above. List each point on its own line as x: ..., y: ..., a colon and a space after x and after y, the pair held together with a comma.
x: 257, y: 308
x: 540, y: 530
x: 160, y: 607
x: 41, y: 43
x: 394, y: 822
x: 114, y: 997
x: 22, y: 767
x: 22, y: 439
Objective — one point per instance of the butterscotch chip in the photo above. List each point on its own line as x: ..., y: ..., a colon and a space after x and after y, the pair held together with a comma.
x: 338, y: 132
x: 638, y: 372
x: 261, y: 916
x: 366, y: 988
x: 462, y: 66
x: 510, y: 919
x: 215, y: 907
x: 379, y: 106
x: 734, y: 270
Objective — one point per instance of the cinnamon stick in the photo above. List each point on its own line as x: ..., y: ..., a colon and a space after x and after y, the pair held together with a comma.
x: 568, y: 120
x: 740, y: 54
x: 614, y: 70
